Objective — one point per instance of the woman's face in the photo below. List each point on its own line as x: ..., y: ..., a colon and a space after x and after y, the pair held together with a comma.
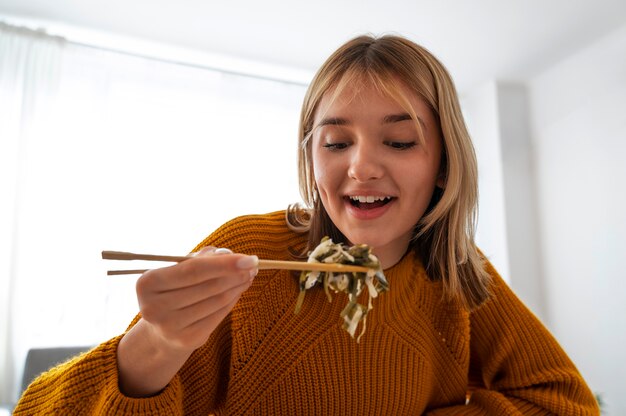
x: 373, y: 176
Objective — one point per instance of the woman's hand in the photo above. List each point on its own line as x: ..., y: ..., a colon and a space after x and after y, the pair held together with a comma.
x: 181, y: 306
x: 184, y: 303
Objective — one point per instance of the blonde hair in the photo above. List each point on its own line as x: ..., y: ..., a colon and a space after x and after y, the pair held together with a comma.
x: 444, y: 237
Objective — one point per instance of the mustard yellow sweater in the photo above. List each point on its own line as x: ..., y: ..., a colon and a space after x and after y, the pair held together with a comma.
x: 419, y: 354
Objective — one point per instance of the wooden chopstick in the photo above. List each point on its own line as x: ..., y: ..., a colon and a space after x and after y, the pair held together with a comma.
x: 303, y: 265
x: 263, y: 264
x: 124, y: 255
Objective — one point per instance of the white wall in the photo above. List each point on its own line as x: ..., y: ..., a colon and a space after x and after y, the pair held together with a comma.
x: 551, y: 155
x: 523, y: 237
x: 480, y: 108
x: 578, y: 112
x: 497, y: 118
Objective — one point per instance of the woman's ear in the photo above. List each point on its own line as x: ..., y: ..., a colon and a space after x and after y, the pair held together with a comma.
x: 441, y: 180
x: 441, y: 177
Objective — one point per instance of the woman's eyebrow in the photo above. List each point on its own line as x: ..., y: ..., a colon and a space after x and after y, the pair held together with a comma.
x: 333, y: 121
x: 396, y: 118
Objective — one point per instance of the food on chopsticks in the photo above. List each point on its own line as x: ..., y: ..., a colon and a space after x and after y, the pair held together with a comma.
x: 351, y: 283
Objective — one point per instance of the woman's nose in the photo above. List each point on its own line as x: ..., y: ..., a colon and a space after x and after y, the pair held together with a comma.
x: 365, y: 163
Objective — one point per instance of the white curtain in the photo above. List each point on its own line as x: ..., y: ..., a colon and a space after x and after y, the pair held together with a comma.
x: 104, y: 150
x: 29, y: 78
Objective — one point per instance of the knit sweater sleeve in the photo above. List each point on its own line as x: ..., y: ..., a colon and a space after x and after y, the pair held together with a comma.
x: 87, y: 384
x: 516, y: 365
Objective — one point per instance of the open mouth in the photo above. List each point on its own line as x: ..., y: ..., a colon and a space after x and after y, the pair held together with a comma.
x: 368, y: 202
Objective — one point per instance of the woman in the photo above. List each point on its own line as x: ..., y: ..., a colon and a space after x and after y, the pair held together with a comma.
x: 384, y: 160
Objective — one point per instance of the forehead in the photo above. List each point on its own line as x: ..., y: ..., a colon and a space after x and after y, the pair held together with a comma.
x: 368, y: 98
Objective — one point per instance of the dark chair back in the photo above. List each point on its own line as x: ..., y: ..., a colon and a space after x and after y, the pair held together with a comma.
x: 39, y: 360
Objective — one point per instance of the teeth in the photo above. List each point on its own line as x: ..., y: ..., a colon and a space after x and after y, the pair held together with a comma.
x: 369, y: 199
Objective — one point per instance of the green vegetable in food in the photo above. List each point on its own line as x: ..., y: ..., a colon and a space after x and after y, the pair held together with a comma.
x: 351, y: 283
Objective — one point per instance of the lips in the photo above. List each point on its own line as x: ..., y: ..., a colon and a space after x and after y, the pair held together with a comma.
x: 366, y: 206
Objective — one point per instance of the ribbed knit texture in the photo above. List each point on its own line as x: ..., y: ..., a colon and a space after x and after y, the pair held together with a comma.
x: 419, y: 354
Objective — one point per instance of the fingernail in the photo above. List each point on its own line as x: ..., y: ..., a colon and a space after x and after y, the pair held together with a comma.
x: 247, y: 262
x: 223, y: 250
x: 253, y: 273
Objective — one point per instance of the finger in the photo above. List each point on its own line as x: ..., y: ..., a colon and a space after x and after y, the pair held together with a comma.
x: 201, y: 269
x: 205, y: 325
x: 182, y: 297
x: 196, y: 270
x: 185, y: 317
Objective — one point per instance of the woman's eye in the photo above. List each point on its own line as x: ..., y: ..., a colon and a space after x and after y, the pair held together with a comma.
x: 335, y: 146
x: 401, y: 145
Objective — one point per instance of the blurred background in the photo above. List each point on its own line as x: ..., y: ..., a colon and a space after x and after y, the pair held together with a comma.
x: 142, y: 126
